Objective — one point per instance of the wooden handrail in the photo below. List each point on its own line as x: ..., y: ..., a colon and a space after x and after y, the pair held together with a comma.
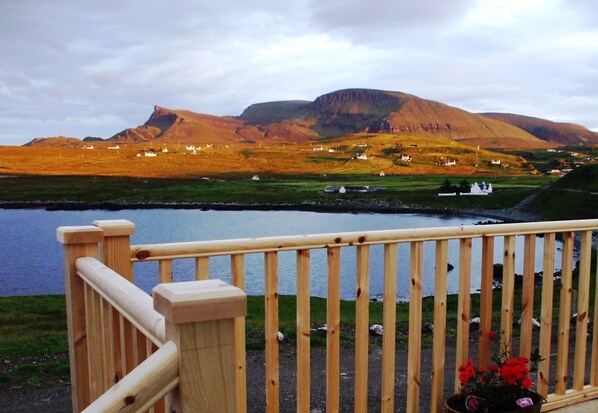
x: 185, y: 317
x: 134, y: 304
x: 150, y: 252
x: 144, y: 386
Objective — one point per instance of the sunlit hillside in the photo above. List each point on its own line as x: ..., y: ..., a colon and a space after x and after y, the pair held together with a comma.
x: 352, y: 154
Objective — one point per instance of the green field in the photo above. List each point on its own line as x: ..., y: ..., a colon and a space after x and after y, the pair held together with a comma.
x: 281, y: 190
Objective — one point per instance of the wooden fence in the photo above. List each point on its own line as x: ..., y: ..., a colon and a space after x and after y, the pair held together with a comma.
x: 564, y: 377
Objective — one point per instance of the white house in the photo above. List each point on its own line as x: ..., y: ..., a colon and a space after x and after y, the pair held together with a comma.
x: 361, y: 156
x: 150, y: 154
x: 480, y: 189
x: 382, y: 173
x: 406, y: 158
x: 164, y: 150
x: 495, y: 161
x: 114, y: 147
x: 335, y: 189
x: 255, y: 178
x: 317, y: 148
x: 190, y: 147
x: 450, y: 163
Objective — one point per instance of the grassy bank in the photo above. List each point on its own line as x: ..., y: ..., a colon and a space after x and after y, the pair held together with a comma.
x: 276, y: 190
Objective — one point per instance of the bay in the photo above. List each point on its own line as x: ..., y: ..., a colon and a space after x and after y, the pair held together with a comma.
x: 31, y: 259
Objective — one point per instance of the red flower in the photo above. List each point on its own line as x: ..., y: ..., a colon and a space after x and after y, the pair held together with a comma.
x: 527, y: 383
x: 491, y: 334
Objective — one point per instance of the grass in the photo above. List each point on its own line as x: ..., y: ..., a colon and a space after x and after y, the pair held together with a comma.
x: 34, y: 327
x: 295, y: 190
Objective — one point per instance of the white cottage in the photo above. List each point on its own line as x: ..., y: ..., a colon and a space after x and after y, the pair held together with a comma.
x: 480, y: 189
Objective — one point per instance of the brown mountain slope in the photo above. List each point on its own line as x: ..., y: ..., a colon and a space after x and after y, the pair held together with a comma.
x: 334, y: 114
x: 556, y: 132
x: 376, y: 111
x: 182, y: 126
x: 57, y: 141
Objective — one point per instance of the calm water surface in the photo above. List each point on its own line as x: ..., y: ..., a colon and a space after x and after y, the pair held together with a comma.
x: 31, y: 258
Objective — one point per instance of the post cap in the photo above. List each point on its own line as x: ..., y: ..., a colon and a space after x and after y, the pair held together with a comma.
x: 115, y: 227
x: 85, y: 234
x: 191, y: 301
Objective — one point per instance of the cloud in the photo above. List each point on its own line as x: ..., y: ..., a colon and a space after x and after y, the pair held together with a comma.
x: 97, y: 67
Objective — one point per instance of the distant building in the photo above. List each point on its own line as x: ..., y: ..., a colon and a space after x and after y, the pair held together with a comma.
x: 114, y: 147
x: 164, y: 150
x: 88, y: 147
x: 335, y: 189
x: 317, y: 148
x: 480, y: 189
x: 190, y: 147
x: 255, y: 178
x: 382, y: 173
x: 406, y: 158
x: 450, y: 162
x: 495, y: 161
x: 361, y: 156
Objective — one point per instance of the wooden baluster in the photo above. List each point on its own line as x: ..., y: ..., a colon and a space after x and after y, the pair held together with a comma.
x: 303, y: 331
x: 583, y: 298
x: 202, y: 327
x: 546, y: 314
x: 116, y: 246
x: 202, y: 268
x: 439, y: 340
x: 594, y: 369
x: 389, y: 320
x: 95, y: 344
x: 238, y: 280
x: 271, y: 320
x: 464, y: 306
x: 107, y: 344
x: 362, y: 319
x: 508, y: 293
x: 129, y: 345
x: 415, y: 326
x: 78, y: 242
x: 333, y: 312
x: 486, y: 295
x: 564, y: 314
x: 165, y: 271
x: 527, y: 296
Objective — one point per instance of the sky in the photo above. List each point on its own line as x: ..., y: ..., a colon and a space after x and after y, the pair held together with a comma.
x: 95, y: 67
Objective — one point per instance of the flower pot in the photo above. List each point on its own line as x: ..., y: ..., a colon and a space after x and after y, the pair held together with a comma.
x: 456, y: 404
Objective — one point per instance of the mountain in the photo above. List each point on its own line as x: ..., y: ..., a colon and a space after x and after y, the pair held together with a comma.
x: 56, y: 141
x: 555, y: 132
x: 181, y: 126
x: 376, y: 111
x: 345, y: 112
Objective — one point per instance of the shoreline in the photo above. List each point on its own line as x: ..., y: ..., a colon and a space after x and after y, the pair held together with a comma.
x: 505, y: 215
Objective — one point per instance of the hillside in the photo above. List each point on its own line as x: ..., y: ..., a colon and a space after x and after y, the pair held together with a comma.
x: 375, y: 111
x: 340, y: 113
x: 584, y: 178
x: 554, y: 132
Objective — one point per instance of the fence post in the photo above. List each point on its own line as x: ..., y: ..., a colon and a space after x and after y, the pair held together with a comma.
x: 200, y: 321
x: 116, y: 248
x: 78, y: 242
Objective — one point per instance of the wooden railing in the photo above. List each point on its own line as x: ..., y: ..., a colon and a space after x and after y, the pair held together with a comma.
x: 129, y: 353
x: 563, y: 377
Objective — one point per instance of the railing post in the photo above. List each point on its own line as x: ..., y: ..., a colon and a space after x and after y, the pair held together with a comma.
x: 78, y: 242
x: 116, y: 248
x: 200, y: 321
